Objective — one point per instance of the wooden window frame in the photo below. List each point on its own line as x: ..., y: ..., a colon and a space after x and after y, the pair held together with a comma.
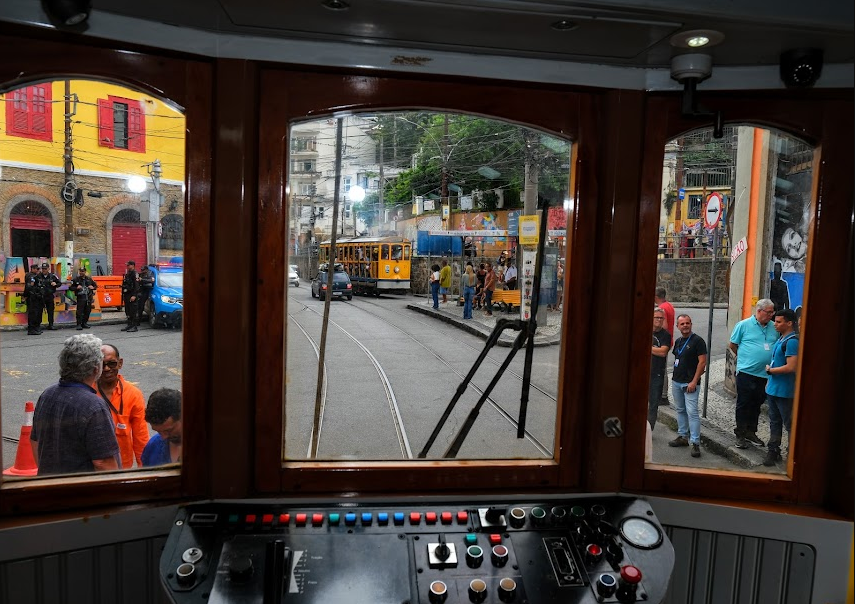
x: 180, y: 80
x: 810, y: 467
x: 287, y: 95
x: 29, y: 132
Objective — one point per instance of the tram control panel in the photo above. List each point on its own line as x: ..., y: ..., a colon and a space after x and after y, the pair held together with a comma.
x: 565, y: 550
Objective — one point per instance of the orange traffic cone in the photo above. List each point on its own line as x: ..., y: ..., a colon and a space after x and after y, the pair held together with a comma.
x: 25, y: 464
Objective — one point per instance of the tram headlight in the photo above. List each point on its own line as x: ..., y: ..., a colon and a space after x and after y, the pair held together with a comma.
x: 397, y: 269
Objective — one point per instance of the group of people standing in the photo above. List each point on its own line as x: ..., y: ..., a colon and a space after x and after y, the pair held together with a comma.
x: 476, y: 286
x: 93, y: 419
x: 766, y: 353
x: 41, y: 285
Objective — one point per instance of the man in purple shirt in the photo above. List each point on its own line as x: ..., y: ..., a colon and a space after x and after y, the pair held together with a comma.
x: 72, y: 428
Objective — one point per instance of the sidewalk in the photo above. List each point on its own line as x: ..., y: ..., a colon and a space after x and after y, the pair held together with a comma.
x: 113, y: 317
x: 717, y: 436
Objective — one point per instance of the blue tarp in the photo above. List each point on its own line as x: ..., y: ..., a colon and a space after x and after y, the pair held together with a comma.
x: 438, y: 245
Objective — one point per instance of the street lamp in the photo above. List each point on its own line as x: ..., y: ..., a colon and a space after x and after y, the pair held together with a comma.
x: 136, y: 184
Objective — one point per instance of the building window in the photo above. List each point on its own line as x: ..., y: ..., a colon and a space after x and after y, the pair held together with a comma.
x: 303, y: 144
x: 28, y: 112
x: 121, y: 124
x: 696, y: 202
x: 173, y: 232
x: 347, y: 184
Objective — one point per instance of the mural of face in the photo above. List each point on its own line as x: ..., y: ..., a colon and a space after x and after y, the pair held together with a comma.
x: 793, y: 244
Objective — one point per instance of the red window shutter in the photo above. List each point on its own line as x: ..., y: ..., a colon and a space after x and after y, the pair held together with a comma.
x: 40, y: 112
x: 136, y: 127
x: 28, y: 112
x: 105, y: 123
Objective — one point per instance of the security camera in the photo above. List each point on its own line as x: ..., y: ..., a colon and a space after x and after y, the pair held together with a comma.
x: 801, y: 67
x: 693, y: 66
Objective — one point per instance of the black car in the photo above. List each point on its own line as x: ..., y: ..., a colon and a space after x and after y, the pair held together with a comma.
x: 341, y: 287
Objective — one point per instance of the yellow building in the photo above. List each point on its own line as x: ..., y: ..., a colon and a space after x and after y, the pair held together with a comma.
x: 80, y: 205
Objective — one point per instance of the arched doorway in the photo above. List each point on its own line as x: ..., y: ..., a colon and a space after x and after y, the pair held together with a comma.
x: 129, y: 241
x: 31, y: 230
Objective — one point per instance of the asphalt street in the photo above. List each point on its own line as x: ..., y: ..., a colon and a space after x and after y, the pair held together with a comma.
x: 28, y: 365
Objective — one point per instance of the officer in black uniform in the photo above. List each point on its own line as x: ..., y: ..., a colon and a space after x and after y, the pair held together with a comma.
x: 130, y: 296
x: 49, y: 284
x: 84, y: 288
x: 34, y: 295
x: 146, y: 285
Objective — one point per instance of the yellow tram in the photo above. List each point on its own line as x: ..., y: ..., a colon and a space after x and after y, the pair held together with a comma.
x: 375, y: 264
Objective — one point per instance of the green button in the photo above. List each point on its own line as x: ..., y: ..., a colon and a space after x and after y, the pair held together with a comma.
x: 334, y: 518
x: 471, y: 539
x: 233, y: 518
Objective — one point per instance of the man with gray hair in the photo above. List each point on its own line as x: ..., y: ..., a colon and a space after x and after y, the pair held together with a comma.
x: 751, y: 342
x: 72, y: 427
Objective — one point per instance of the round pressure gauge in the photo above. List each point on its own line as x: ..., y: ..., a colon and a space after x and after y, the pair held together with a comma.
x: 640, y: 533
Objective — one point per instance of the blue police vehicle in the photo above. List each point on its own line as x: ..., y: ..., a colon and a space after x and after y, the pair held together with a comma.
x: 165, y: 307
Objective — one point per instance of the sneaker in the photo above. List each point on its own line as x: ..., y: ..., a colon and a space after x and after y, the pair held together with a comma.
x: 52, y: 328
x: 696, y: 450
x: 771, y: 458
x: 752, y: 437
x: 132, y: 330
x: 741, y: 443
x: 680, y: 441
x: 125, y: 328
x: 80, y: 327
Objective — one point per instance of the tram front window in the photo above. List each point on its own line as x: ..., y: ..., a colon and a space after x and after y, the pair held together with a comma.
x: 95, y: 365
x: 390, y: 364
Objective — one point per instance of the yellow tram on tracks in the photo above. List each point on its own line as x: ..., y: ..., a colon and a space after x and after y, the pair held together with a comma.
x: 375, y: 264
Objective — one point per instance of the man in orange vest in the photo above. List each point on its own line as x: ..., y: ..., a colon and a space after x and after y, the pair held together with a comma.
x: 127, y: 406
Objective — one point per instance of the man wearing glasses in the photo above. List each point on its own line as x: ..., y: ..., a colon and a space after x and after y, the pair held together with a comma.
x: 751, y: 342
x: 127, y: 406
x: 659, y: 353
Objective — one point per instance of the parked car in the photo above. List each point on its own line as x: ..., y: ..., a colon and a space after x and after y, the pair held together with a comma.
x: 341, y: 286
x: 293, y: 277
x: 166, y: 304
x: 295, y: 268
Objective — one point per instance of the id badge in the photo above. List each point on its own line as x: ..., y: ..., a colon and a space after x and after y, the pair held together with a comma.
x: 766, y: 346
x: 121, y: 426
x: 676, y: 362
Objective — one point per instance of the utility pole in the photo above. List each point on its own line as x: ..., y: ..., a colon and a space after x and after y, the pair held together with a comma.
x: 69, y: 190
x: 444, y: 191
x: 151, y: 212
x: 380, y: 191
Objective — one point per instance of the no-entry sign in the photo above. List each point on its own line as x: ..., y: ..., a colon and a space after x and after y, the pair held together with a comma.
x: 713, y: 211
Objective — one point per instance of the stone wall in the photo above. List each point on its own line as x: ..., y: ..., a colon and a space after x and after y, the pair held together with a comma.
x: 688, y: 279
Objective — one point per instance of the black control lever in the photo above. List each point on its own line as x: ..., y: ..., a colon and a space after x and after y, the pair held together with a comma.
x: 277, y: 564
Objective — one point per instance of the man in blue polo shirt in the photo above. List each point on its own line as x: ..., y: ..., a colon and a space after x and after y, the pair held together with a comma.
x: 751, y: 341
x: 781, y: 386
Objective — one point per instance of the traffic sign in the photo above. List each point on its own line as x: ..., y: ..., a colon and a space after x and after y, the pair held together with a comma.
x: 681, y: 193
x: 712, y: 213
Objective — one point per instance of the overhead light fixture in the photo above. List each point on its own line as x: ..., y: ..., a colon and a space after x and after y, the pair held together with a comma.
x: 564, y: 25
x: 335, y: 4
x: 697, y: 38
x: 67, y: 13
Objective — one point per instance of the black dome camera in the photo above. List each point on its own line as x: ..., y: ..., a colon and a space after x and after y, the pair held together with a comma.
x: 801, y: 68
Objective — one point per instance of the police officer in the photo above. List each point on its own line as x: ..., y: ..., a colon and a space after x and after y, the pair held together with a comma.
x: 84, y: 288
x: 130, y: 296
x: 34, y: 294
x: 146, y: 285
x: 49, y: 284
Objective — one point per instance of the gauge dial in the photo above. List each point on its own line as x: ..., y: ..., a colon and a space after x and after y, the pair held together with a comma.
x: 640, y: 533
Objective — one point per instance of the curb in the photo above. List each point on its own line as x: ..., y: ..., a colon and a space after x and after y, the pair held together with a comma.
x: 479, y: 329
x: 719, y: 442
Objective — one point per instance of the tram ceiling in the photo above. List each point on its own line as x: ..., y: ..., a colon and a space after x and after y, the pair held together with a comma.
x: 619, y: 33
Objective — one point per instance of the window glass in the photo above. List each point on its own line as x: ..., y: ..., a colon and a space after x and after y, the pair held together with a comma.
x: 93, y: 179
x: 733, y: 239
x: 376, y: 382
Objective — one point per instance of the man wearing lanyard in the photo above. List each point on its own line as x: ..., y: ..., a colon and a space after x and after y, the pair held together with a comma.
x: 690, y: 360
x: 127, y: 406
x: 781, y: 386
x: 751, y: 341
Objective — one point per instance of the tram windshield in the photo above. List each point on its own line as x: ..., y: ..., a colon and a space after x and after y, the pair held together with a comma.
x: 412, y: 186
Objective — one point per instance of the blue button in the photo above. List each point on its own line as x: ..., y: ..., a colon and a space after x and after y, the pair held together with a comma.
x: 350, y: 518
x: 399, y: 517
x: 366, y: 518
x: 383, y: 518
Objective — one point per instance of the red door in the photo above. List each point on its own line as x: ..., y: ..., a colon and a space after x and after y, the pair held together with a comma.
x: 31, y: 236
x: 128, y: 244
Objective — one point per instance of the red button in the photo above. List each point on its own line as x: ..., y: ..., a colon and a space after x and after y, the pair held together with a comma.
x: 495, y: 539
x: 446, y: 517
x: 250, y: 518
x: 430, y: 517
x: 630, y: 574
x: 284, y: 519
x: 317, y: 519
x: 462, y: 517
x: 415, y: 517
x: 594, y: 549
x: 267, y: 519
x: 301, y: 519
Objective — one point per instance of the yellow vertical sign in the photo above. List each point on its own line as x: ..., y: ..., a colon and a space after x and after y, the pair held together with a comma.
x: 528, y: 230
